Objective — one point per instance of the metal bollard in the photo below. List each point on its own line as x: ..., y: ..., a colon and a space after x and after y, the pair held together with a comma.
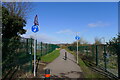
x: 65, y: 55
x: 47, y: 74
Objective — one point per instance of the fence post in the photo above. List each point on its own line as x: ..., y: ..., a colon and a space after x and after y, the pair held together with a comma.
x: 96, y: 55
x: 46, y: 49
x: 118, y: 57
x: 50, y: 47
x: 93, y: 51
x: 104, y: 54
x: 87, y: 49
x: 41, y: 48
x: 31, y: 45
x: 118, y: 41
x: 119, y: 64
x: 31, y: 55
x: 54, y: 47
x: 27, y: 46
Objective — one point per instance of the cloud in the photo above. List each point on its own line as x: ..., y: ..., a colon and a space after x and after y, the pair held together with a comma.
x: 67, y: 31
x: 98, y: 24
x: 42, y: 38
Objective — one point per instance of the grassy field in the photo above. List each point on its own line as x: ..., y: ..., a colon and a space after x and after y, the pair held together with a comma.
x: 87, y: 72
x: 51, y: 56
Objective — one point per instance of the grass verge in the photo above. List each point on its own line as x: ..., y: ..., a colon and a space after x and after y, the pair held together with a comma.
x: 87, y: 72
x: 70, y: 51
x: 51, y: 56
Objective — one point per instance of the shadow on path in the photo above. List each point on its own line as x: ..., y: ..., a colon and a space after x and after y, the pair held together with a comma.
x: 70, y: 60
x: 71, y: 72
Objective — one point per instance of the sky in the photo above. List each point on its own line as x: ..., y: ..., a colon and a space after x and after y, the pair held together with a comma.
x: 60, y: 0
x: 59, y: 21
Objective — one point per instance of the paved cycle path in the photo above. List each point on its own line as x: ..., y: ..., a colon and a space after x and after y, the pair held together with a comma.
x: 65, y: 68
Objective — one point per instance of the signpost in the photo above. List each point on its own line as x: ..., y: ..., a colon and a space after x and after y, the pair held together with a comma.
x: 77, y: 38
x: 35, y: 28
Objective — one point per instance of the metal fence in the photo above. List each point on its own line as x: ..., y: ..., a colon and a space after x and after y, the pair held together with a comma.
x: 17, y: 56
x: 103, y: 56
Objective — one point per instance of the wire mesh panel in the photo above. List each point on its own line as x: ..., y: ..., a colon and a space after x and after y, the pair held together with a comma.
x: 104, y: 56
x: 88, y: 51
x: 38, y: 51
x: 25, y: 55
x: 17, y: 58
x: 43, y: 49
x: 100, y: 51
x: 93, y: 50
x: 112, y: 59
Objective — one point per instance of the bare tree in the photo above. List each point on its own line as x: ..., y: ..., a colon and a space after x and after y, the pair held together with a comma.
x: 81, y: 42
x: 97, y: 40
x: 20, y: 9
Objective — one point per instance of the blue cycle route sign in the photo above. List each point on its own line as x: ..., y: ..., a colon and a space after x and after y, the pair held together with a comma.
x: 77, y: 37
x: 35, y: 28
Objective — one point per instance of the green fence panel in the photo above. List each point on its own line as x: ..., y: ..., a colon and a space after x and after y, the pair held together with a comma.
x: 104, y: 56
x: 17, y: 55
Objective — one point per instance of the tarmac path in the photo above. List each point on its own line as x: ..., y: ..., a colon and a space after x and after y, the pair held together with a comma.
x: 65, y: 68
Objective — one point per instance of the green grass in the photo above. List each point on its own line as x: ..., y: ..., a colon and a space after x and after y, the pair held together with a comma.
x: 87, y: 72
x: 69, y: 51
x: 51, y: 56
